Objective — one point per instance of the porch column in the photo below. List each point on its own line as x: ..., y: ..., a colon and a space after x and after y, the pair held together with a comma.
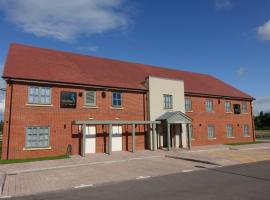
x: 189, y: 136
x: 83, y: 140
x: 169, y: 136
x: 110, y: 139
x: 154, y: 137
x: 133, y: 138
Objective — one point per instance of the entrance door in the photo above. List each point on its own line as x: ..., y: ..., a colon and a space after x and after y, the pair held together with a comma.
x: 90, y: 143
x: 117, y: 138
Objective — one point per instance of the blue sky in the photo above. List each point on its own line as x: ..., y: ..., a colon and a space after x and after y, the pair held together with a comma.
x: 229, y: 39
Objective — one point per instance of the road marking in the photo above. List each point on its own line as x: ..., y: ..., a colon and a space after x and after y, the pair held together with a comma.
x: 5, y: 197
x: 253, y: 148
x: 142, y: 177
x: 187, y: 170
x: 83, y: 186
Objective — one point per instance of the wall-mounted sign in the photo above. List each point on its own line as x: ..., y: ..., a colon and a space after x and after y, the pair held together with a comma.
x: 237, y: 108
x: 68, y: 100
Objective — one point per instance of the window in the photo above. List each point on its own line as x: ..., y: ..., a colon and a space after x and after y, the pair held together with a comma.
x: 229, y: 129
x: 211, y: 131
x: 168, y: 104
x: 188, y: 104
x: 227, y: 106
x: 209, y: 105
x: 39, y: 95
x: 90, y: 98
x: 191, y: 132
x: 244, y: 107
x: 116, y: 99
x: 246, y: 130
x: 237, y: 109
x: 37, y: 137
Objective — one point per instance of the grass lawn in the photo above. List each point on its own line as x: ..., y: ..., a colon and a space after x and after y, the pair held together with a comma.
x: 29, y: 159
x: 243, y: 143
x: 262, y: 133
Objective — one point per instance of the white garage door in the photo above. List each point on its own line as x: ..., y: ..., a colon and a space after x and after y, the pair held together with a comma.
x: 117, y: 138
x: 90, y: 143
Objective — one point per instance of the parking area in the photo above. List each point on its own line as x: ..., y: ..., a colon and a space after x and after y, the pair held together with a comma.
x: 97, y: 169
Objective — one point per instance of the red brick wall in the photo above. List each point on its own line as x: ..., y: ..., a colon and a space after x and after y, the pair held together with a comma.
x: 218, y: 118
x: 24, y: 115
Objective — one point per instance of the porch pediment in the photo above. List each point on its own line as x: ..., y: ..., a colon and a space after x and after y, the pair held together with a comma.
x: 175, y: 117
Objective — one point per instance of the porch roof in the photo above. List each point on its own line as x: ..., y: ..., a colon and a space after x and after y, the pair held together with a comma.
x: 175, y: 117
x: 118, y: 122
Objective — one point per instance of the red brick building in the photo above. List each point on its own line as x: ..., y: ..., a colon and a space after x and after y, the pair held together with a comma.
x: 48, y: 90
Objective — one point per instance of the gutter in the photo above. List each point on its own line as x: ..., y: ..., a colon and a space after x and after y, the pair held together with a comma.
x: 9, y: 118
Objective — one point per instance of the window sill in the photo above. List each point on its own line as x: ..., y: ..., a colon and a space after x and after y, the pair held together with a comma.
x: 36, y: 149
x: 229, y: 112
x: 91, y: 107
x: 211, y: 112
x: 212, y: 138
x: 245, y: 113
x: 117, y: 108
x: 189, y: 111
x: 230, y: 137
x: 247, y: 136
x: 39, y: 105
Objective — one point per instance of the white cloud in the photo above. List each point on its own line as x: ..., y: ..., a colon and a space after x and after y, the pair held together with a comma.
x: 240, y: 72
x: 66, y: 19
x: 261, y: 104
x: 2, y: 105
x: 223, y: 4
x: 92, y: 48
x: 263, y: 31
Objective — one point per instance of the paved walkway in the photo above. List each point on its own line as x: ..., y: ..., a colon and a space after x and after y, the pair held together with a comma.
x: 95, y: 169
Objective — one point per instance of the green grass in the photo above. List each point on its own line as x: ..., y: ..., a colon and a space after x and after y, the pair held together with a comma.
x: 33, y: 159
x: 243, y: 143
x: 29, y: 159
x: 262, y: 133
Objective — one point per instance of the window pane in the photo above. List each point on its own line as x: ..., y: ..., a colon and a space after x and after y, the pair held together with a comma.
x: 39, y: 95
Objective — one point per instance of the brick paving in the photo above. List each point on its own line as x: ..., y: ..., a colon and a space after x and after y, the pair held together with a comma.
x: 44, y: 176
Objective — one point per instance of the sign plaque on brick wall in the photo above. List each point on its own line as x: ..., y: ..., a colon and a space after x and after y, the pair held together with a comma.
x: 68, y: 99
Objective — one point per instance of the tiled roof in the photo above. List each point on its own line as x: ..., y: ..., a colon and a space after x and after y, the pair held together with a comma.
x: 33, y: 63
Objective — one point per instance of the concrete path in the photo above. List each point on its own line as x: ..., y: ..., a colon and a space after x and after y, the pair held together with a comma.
x: 238, y: 182
x: 96, y: 169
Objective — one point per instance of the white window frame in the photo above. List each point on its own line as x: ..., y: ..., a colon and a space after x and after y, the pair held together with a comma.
x: 95, y: 98
x: 244, y: 130
x: 167, y: 104
x: 38, y: 133
x: 213, y: 130
x: 244, y: 105
x: 226, y: 106
x: 39, y: 95
x: 118, y: 99
x: 208, y: 107
x: 188, y: 104
x: 229, y: 130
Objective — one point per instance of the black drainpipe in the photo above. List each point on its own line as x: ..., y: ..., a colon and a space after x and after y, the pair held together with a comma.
x: 9, y: 120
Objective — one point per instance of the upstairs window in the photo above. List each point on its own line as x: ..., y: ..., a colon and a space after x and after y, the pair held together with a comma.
x: 211, y: 131
x: 246, y: 130
x: 90, y: 98
x: 188, y: 104
x: 116, y: 99
x: 39, y: 95
x: 229, y: 129
x: 168, y: 104
x: 209, y: 105
x: 244, y: 107
x: 227, y: 106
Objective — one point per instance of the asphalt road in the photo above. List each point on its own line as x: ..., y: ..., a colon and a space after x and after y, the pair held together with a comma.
x: 250, y: 181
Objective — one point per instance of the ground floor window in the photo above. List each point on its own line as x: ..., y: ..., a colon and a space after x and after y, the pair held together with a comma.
x: 229, y: 129
x: 37, y: 136
x: 211, y: 131
x: 246, y: 130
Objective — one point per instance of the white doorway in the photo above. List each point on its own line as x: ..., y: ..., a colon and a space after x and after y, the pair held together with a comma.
x: 90, y: 140
x: 117, y: 138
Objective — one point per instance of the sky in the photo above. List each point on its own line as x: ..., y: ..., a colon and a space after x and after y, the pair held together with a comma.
x: 229, y: 39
